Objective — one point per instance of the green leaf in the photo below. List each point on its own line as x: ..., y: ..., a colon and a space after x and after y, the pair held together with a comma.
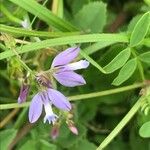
x: 93, y: 62
x: 126, y: 72
x: 92, y: 17
x: 140, y: 29
x: 29, y: 145
x: 145, y: 130
x: 26, y: 32
x: 6, y: 138
x: 145, y: 57
x: 46, y: 145
x: 66, y: 40
x: 44, y: 14
x: 67, y: 139
x: 97, y: 46
x: 118, y: 61
x: 84, y: 145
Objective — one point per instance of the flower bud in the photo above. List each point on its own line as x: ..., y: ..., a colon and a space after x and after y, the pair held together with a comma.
x: 55, y: 131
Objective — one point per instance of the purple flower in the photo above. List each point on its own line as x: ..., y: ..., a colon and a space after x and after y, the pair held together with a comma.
x: 23, y: 93
x: 47, y: 98
x: 63, y: 70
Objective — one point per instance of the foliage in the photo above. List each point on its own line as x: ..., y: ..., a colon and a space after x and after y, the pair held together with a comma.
x: 114, y: 36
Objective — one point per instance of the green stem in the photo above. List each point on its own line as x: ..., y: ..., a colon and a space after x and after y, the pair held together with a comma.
x: 21, y: 118
x: 9, y: 15
x: 122, y: 123
x: 82, y: 96
x: 139, y: 65
x: 25, y: 66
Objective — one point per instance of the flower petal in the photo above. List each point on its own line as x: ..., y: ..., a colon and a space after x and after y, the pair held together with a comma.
x: 35, y: 109
x: 58, y: 99
x: 69, y: 78
x: 23, y: 93
x: 82, y: 64
x: 66, y: 56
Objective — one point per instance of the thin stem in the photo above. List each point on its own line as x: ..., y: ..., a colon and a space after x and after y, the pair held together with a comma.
x: 82, y: 96
x: 139, y: 65
x: 25, y: 66
x: 8, y: 117
x: 122, y: 124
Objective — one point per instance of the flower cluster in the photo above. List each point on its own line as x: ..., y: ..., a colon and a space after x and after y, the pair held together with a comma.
x: 62, y: 69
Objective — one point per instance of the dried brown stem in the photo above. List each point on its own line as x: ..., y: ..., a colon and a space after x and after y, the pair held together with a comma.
x: 8, y: 117
x: 21, y: 133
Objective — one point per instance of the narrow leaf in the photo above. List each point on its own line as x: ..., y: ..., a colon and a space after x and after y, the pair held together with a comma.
x: 118, y: 61
x: 140, y: 29
x: 145, y: 130
x: 145, y: 57
x: 126, y: 72
x: 44, y: 14
x: 66, y: 40
x: 26, y: 32
x: 93, y: 62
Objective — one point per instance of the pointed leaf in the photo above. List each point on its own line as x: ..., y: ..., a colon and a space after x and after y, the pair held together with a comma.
x: 145, y: 57
x: 126, y: 72
x: 44, y: 14
x: 140, y: 29
x: 118, y: 61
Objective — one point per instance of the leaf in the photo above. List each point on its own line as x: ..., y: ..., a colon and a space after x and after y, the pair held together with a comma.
x: 67, y: 139
x: 93, y: 62
x: 96, y: 47
x: 25, y: 32
x: 92, y: 17
x: 140, y: 30
x: 44, y: 14
x: 6, y: 138
x: 126, y: 72
x: 118, y: 61
x: 45, y: 145
x: 77, y: 5
x: 29, y: 145
x: 133, y: 22
x: 145, y: 130
x: 145, y: 57
x: 66, y: 40
x: 84, y: 145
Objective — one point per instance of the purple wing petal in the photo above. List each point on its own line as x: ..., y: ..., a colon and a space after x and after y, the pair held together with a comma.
x: 69, y: 78
x: 66, y: 56
x: 82, y: 64
x: 35, y: 109
x: 59, y: 100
